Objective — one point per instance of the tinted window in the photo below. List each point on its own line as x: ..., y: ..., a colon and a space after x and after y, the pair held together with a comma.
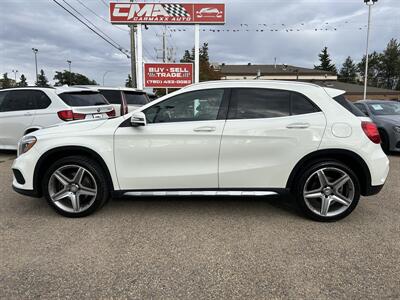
x: 24, y: 100
x: 2, y: 97
x: 301, y: 105
x: 349, y: 106
x: 259, y: 103
x: 83, y: 99
x: 193, y: 106
x: 384, y: 108
x: 135, y: 98
x: 112, y: 96
x: 361, y: 107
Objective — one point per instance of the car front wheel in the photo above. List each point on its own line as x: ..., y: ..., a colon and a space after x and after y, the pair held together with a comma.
x: 75, y: 186
x: 327, y: 191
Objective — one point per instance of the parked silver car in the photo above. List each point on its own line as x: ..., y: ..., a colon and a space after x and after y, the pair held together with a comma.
x: 386, y: 115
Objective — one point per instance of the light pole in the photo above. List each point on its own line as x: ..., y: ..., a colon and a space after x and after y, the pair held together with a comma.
x: 104, y: 75
x: 369, y: 3
x: 15, y: 75
x: 35, y: 51
x: 70, y: 76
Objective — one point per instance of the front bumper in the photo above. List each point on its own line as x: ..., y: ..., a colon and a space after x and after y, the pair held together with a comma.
x: 23, y: 170
x: 30, y: 193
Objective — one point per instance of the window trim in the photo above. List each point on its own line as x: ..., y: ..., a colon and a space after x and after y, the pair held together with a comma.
x: 291, y: 92
x: 222, y: 111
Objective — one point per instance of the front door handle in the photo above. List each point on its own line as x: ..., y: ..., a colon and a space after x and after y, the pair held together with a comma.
x: 28, y: 114
x: 204, y: 129
x: 298, y: 125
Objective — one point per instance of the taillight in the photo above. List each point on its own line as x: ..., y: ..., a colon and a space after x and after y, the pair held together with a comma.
x: 69, y: 115
x: 371, y: 131
x: 111, y: 113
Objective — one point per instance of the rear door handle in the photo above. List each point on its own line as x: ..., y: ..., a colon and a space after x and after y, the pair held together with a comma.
x: 298, y: 125
x: 204, y: 129
x: 28, y: 114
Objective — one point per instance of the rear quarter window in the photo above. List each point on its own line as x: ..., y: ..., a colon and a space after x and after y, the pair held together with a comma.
x: 83, y: 99
x: 136, y: 98
x: 112, y: 96
x: 349, y: 106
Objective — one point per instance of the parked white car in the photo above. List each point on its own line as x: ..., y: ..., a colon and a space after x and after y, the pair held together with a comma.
x: 25, y: 110
x: 238, y: 138
x: 123, y: 99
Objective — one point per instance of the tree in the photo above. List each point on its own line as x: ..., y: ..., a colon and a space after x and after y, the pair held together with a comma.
x: 325, y: 62
x: 65, y: 77
x: 128, y: 81
x: 348, y: 72
x: 22, y: 81
x: 42, y: 80
x: 389, y: 67
x: 374, y: 60
x: 6, y: 82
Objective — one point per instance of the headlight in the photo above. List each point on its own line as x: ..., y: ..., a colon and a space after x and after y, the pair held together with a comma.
x: 396, y: 129
x: 25, y: 144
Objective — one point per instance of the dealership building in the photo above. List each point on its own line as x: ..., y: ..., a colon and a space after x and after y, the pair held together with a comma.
x: 354, y: 92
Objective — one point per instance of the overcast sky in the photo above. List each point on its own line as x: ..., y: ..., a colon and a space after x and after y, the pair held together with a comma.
x: 59, y: 37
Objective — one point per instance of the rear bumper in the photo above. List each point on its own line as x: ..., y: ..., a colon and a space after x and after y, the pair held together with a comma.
x: 373, y: 190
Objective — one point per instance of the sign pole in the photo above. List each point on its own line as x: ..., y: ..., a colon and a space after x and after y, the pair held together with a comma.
x: 196, y: 53
x: 139, y: 65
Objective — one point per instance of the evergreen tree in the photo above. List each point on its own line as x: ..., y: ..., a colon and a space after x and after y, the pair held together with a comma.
x: 325, y: 62
x: 128, y: 81
x: 42, y: 80
x: 22, y: 81
x: 389, y: 67
x: 348, y: 72
x: 65, y: 77
x: 374, y: 60
x: 5, y: 82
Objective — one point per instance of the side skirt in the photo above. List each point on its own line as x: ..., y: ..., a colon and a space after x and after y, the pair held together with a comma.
x: 167, y: 193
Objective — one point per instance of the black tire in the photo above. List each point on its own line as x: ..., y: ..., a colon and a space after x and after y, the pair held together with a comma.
x: 384, y: 141
x: 310, y: 169
x: 96, y: 171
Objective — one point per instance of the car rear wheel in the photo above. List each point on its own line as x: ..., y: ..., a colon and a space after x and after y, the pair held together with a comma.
x: 327, y: 191
x: 75, y: 186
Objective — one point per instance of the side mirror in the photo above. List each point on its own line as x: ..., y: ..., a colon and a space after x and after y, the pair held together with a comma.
x: 138, y: 119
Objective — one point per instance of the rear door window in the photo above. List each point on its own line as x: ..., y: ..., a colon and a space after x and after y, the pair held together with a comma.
x: 256, y: 103
x: 112, y: 96
x: 24, y: 100
x: 349, y: 106
x: 136, y: 98
x: 83, y: 99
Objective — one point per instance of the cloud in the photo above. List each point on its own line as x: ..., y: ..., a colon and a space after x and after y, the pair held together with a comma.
x: 59, y: 37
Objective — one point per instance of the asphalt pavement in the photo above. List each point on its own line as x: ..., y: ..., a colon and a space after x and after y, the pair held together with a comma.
x: 199, y: 248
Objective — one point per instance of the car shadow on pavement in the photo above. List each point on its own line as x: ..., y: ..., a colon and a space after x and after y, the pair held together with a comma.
x: 272, y: 205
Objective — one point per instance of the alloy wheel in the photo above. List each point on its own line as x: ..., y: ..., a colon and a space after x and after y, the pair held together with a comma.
x: 72, y: 188
x: 329, y: 192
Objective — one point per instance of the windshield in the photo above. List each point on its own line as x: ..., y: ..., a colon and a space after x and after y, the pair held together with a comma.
x: 349, y: 106
x: 385, y: 108
x: 136, y: 98
x: 83, y: 99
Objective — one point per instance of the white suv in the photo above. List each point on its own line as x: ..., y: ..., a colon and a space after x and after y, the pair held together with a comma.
x: 24, y: 110
x: 238, y: 138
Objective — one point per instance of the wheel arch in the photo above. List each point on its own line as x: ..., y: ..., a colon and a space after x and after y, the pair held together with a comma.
x: 48, y: 157
x: 350, y: 158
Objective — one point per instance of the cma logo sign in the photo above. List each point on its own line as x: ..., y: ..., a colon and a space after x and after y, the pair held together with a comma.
x: 130, y: 11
